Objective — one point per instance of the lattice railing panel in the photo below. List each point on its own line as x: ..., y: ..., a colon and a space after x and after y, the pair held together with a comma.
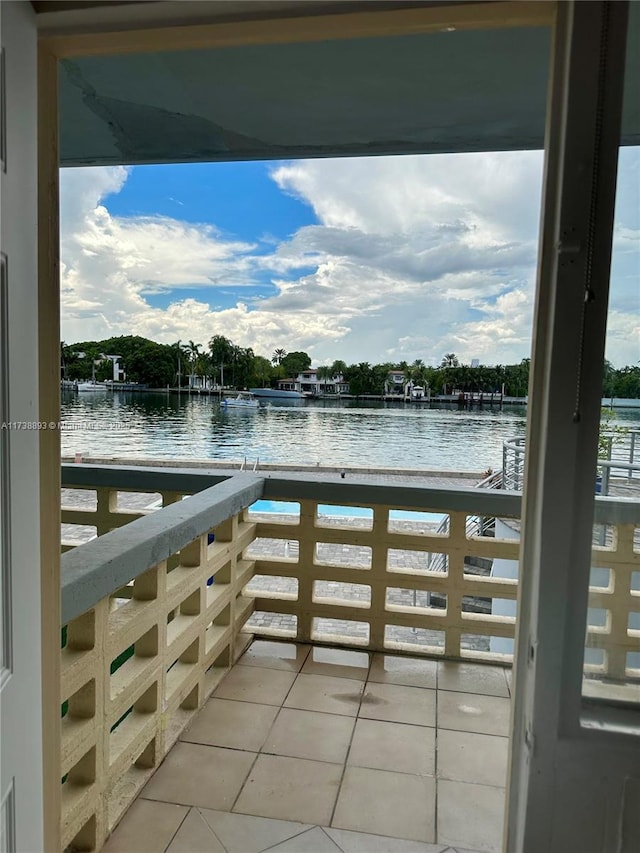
x: 95, y: 510
x: 381, y: 559
x: 138, y: 665
x: 615, y: 603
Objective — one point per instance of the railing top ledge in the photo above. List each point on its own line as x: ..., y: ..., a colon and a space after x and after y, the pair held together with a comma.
x: 616, y: 510
x: 94, y: 570
x: 360, y: 491
x: 143, y: 478
x: 357, y: 488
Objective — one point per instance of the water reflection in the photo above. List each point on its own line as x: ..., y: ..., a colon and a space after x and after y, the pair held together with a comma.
x: 341, y: 433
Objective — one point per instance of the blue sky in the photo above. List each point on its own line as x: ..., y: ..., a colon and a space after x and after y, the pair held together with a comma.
x: 241, y: 199
x: 378, y: 259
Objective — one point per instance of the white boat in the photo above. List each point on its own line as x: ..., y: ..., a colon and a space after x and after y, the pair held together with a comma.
x: 91, y: 386
x: 244, y: 400
x: 277, y: 394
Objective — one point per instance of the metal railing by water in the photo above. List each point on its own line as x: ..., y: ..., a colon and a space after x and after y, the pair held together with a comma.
x: 476, y: 525
x: 624, y: 446
x: 622, y: 462
x: 513, y: 456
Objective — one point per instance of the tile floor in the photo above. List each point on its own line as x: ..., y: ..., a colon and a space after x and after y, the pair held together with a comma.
x: 307, y: 749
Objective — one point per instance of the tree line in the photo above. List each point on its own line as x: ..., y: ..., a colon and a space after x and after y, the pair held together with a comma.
x: 449, y: 377
x: 157, y: 365
x: 624, y: 382
x: 222, y: 362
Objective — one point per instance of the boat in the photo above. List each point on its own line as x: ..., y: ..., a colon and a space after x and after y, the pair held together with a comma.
x: 91, y: 386
x: 276, y: 394
x: 244, y: 400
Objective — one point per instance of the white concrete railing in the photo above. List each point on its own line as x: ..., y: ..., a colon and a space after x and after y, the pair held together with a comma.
x: 389, y: 548
x: 97, y: 501
x: 166, y: 606
x: 151, y: 618
x: 371, y: 585
x: 613, y: 629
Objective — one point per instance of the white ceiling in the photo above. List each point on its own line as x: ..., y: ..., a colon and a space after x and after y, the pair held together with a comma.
x: 482, y: 90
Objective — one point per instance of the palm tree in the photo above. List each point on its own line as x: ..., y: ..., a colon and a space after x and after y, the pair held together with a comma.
x: 221, y: 351
x: 243, y: 358
x: 178, y: 351
x: 323, y: 373
x: 361, y: 379
x: 63, y: 359
x: 338, y: 368
x: 278, y: 355
x: 192, y: 352
x: 202, y: 367
x: 450, y: 360
x: 418, y: 373
x: 261, y: 369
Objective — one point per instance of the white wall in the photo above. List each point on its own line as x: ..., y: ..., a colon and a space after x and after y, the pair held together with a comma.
x: 21, y: 691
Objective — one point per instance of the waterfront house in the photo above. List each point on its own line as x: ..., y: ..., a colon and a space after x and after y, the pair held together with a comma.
x: 289, y: 384
x: 396, y: 383
x: 307, y: 383
x: 112, y: 83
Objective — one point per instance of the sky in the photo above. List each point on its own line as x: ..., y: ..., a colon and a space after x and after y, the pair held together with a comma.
x: 361, y: 259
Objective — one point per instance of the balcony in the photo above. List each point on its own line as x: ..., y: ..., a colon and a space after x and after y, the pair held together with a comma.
x: 301, y: 669
x: 297, y: 737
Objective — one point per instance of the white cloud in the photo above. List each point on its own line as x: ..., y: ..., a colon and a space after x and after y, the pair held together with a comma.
x: 411, y: 257
x: 110, y: 263
x: 412, y: 252
x: 403, y: 194
x: 258, y: 329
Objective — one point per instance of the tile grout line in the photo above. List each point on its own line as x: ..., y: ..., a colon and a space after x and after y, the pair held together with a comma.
x: 509, y: 690
x: 296, y: 835
x: 211, y: 829
x: 439, y: 726
x: 353, y: 731
x: 259, y: 752
x: 241, y: 789
x: 365, y: 685
x: 177, y: 830
x: 323, y: 829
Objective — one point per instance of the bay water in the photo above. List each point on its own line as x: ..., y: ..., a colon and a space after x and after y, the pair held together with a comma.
x: 336, y: 433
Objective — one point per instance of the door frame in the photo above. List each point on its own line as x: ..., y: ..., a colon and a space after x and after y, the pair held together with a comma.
x: 21, y: 792
x: 556, y: 800
x: 548, y: 461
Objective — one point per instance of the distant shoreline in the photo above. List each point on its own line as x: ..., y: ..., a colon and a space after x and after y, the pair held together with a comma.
x: 462, y: 400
